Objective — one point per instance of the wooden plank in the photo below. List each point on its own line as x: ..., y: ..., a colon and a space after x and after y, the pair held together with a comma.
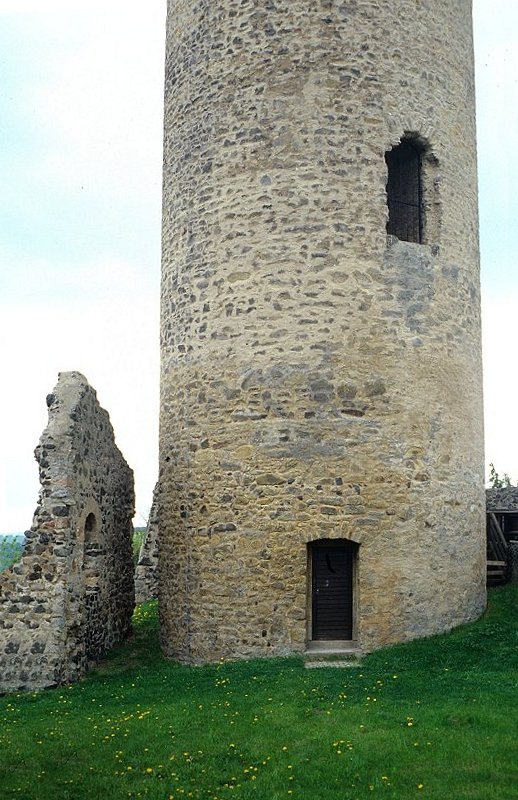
x: 496, y: 539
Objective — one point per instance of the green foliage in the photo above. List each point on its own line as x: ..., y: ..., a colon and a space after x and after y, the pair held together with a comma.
x: 11, y: 548
x: 139, y: 534
x: 431, y: 719
x: 496, y: 481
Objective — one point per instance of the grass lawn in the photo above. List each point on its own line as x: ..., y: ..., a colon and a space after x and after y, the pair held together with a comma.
x: 435, y: 719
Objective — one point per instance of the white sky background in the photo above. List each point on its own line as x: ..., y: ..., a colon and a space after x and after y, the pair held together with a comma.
x: 80, y: 194
x: 81, y: 89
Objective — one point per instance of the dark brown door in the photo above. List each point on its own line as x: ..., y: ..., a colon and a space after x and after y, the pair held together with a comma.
x: 332, y: 573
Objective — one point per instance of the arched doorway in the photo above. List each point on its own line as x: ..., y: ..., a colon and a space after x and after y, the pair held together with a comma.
x: 333, y: 566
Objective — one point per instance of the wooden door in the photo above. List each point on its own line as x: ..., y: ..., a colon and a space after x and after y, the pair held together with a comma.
x: 332, y: 592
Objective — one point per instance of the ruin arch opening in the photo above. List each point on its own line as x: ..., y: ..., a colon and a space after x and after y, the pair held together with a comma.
x: 93, y: 555
x: 91, y: 530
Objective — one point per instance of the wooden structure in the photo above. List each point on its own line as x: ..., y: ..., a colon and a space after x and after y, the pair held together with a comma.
x: 332, y: 568
x: 498, y: 557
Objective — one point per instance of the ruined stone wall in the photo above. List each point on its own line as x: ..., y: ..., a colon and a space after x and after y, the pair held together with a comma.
x: 504, y: 499
x: 71, y: 597
x: 146, y: 572
x: 320, y: 379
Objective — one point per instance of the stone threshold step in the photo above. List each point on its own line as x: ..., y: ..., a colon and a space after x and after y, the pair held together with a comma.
x: 336, y: 664
x: 329, y: 647
x: 332, y: 654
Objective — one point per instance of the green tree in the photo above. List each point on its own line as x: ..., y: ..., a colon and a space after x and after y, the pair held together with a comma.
x: 496, y: 481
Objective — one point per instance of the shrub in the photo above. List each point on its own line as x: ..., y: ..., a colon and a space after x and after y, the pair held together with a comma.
x: 11, y: 549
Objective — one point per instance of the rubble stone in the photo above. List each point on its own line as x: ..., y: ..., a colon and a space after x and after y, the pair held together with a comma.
x: 71, y: 596
x: 321, y: 379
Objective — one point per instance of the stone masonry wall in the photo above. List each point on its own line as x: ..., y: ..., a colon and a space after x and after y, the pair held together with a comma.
x: 320, y: 379
x: 71, y: 597
x: 146, y: 572
x: 504, y: 499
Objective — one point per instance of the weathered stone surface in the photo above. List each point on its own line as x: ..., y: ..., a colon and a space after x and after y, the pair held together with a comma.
x: 320, y: 379
x: 71, y: 596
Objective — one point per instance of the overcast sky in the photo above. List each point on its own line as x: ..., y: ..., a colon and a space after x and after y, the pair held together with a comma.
x: 80, y: 193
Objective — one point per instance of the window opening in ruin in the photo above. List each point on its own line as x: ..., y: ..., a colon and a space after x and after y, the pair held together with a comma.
x: 405, y: 191
x: 93, y: 557
x: 90, y: 530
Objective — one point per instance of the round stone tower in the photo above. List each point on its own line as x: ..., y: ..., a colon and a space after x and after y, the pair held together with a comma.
x: 321, y: 413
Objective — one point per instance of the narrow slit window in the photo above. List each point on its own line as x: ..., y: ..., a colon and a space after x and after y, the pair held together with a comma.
x: 90, y: 530
x: 404, y: 192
